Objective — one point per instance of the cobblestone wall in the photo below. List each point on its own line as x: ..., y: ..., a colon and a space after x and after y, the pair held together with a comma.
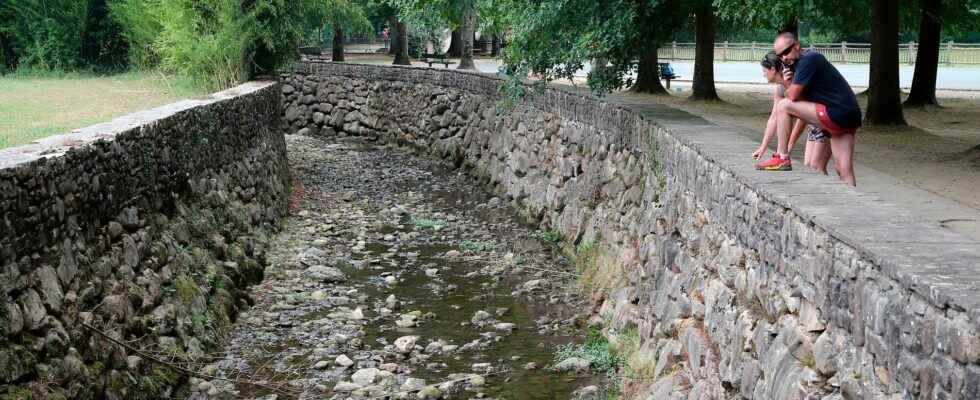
x: 146, y: 228
x: 734, y: 293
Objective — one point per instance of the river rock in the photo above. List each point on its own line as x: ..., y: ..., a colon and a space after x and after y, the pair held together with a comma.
x: 405, y: 344
x: 504, y: 326
x: 573, y: 364
x: 344, y: 361
x: 325, y: 274
x: 364, y: 376
x: 412, y: 384
x: 429, y: 392
x: 343, y: 386
x: 480, y: 316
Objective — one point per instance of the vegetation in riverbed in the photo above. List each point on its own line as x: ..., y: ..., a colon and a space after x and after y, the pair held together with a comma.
x: 550, y: 236
x: 477, y: 245
x: 425, y: 223
x: 605, y: 358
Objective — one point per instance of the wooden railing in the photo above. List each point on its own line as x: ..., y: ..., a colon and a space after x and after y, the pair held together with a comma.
x: 843, y: 52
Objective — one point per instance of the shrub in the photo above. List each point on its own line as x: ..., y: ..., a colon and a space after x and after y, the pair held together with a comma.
x: 59, y: 35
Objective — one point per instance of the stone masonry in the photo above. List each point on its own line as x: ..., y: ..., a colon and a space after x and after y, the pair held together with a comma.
x: 146, y: 228
x: 741, y: 284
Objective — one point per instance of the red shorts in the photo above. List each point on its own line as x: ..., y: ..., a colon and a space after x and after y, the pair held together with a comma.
x: 829, y: 125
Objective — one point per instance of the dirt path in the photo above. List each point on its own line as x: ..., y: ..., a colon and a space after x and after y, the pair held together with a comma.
x: 394, y: 277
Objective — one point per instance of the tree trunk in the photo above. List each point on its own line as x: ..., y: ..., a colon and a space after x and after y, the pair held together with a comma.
x: 455, y: 44
x: 884, y: 97
x: 647, y: 74
x: 338, y: 44
x: 401, y: 44
x: 466, y: 30
x: 704, y: 54
x: 927, y: 58
x: 495, y: 46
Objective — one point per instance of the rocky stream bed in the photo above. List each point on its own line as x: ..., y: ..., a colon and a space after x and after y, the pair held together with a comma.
x: 396, y: 278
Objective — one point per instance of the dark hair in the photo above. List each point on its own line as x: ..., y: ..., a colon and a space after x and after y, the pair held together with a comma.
x: 771, y: 61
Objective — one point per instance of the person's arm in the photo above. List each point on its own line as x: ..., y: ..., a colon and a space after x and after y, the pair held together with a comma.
x: 795, y: 92
x: 770, y: 131
x: 805, y: 68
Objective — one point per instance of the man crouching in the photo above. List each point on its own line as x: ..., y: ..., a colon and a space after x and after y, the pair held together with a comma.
x: 820, y: 96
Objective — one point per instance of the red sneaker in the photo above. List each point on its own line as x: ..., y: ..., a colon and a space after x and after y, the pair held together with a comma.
x: 776, y: 163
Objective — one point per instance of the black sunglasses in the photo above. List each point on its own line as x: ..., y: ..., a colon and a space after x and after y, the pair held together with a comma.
x: 786, y: 50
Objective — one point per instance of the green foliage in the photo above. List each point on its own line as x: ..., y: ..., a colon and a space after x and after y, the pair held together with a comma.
x: 553, y: 39
x: 59, y: 35
x: 141, y: 28
x: 477, y: 245
x: 552, y: 236
x: 602, y: 355
x: 423, y: 223
x: 206, y: 41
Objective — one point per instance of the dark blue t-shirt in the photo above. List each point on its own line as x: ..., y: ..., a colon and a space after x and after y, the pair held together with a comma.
x: 824, y: 84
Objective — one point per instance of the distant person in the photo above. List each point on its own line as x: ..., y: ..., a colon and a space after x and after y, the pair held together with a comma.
x: 384, y: 37
x: 819, y: 95
x: 772, y: 70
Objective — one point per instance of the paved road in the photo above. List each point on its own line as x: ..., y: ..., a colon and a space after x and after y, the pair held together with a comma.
x: 856, y: 74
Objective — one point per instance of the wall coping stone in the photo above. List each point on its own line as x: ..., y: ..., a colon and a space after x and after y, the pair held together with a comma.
x: 57, y: 145
x: 905, y: 231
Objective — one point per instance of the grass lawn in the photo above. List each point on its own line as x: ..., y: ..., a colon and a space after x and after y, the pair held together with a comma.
x: 35, y: 105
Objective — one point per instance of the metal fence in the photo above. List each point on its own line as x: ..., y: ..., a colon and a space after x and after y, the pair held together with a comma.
x: 843, y: 52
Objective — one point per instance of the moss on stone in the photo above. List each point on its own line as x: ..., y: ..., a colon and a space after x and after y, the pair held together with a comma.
x: 16, y: 361
x: 155, y: 382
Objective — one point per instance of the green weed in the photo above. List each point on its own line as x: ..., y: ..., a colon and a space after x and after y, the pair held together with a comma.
x: 424, y: 223
x: 477, y: 245
x: 552, y: 236
x: 602, y: 356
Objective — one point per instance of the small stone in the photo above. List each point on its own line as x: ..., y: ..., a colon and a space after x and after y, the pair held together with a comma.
x: 531, y: 365
x: 480, y: 316
x: 321, y: 364
x: 504, y: 326
x: 357, y: 314
x: 481, y: 367
x: 432, y: 272
x: 405, y: 344
x: 364, y: 376
x: 588, y: 392
x: 453, y: 253
x: 325, y: 274
x: 347, y: 387
x: 391, y: 302
x: 318, y: 295
x: 412, y: 384
x: 391, y: 280
x: 478, y: 380
x: 390, y: 367
x: 344, y: 361
x: 573, y: 364
x: 429, y: 392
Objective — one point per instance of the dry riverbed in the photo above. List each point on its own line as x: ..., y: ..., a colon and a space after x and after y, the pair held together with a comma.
x: 397, y: 278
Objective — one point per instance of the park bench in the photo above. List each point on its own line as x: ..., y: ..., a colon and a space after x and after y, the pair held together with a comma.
x: 436, y: 58
x: 666, y: 73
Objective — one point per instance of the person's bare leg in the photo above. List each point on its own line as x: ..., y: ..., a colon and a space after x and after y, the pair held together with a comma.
x: 842, y: 149
x: 819, y: 155
x: 784, y: 123
x: 798, y: 126
x: 785, y: 111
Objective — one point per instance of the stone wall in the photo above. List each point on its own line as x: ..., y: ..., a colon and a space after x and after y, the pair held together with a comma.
x: 740, y: 284
x: 146, y: 228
